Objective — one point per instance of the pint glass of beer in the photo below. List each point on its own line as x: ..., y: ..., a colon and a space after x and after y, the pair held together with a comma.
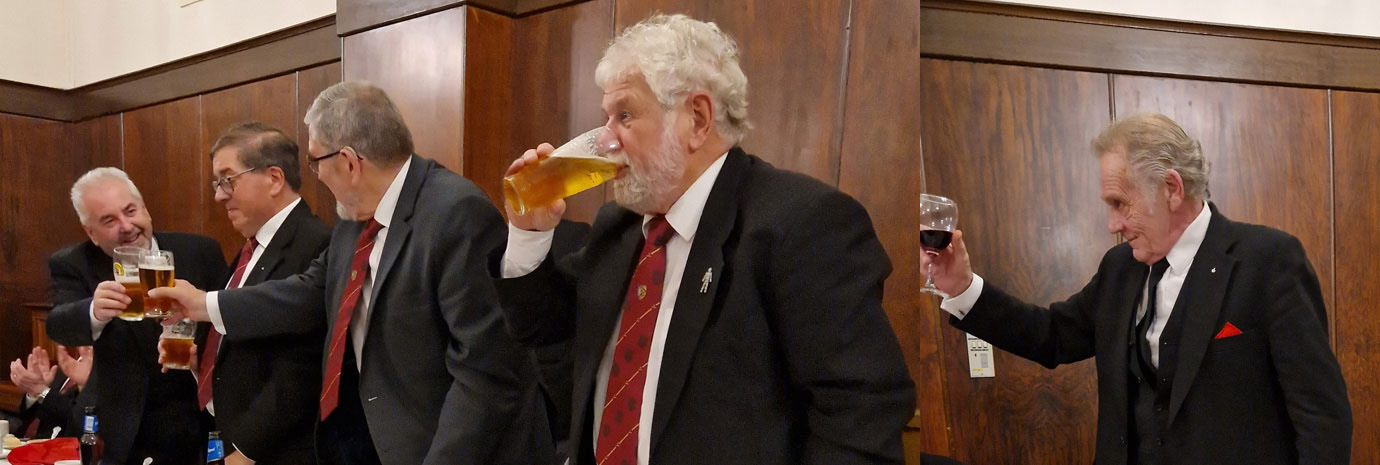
x: 126, y: 264
x: 156, y: 270
x: 177, y: 345
x: 573, y: 167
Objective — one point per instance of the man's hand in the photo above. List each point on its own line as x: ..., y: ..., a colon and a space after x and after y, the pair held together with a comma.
x: 236, y: 458
x: 109, y: 300
x: 77, y: 369
x: 950, y: 270
x: 540, y: 218
x: 187, y: 302
x: 163, y: 353
x: 35, y: 377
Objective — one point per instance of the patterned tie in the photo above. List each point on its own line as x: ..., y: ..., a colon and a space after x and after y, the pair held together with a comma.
x: 359, y: 269
x: 618, y: 426
x: 208, y: 353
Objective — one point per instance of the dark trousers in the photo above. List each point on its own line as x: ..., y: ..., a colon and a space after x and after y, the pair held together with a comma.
x: 343, y: 437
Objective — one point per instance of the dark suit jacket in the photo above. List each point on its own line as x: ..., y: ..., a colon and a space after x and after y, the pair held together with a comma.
x: 442, y: 382
x: 135, y: 402
x: 553, y: 360
x: 64, y: 409
x: 1272, y: 395
x: 786, y: 358
x: 266, y: 390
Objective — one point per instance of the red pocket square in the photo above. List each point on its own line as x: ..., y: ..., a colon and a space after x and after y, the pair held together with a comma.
x: 1228, y: 330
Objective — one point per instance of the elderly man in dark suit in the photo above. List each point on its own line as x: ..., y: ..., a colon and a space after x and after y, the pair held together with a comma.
x: 418, y: 367
x: 1210, y: 335
x: 263, y: 392
x: 142, y: 412
x: 778, y: 352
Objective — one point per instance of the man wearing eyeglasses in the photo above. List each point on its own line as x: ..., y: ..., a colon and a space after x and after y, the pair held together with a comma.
x: 263, y: 392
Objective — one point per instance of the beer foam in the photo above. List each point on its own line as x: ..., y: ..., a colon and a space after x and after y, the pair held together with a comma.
x: 127, y: 279
x: 156, y: 267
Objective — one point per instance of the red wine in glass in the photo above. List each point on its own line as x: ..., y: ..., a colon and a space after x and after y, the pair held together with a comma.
x: 935, y: 240
x: 938, y: 219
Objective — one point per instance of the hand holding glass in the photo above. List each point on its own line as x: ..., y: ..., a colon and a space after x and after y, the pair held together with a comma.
x: 126, y: 264
x: 573, y: 167
x: 156, y: 270
x: 938, y: 219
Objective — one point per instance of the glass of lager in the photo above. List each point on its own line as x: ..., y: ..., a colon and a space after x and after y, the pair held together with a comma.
x: 156, y: 270
x: 126, y: 264
x: 177, y: 345
x: 573, y: 167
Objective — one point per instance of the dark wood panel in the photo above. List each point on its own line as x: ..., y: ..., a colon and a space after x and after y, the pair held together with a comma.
x: 881, y: 165
x: 1122, y: 45
x: 98, y: 141
x: 270, y: 101
x: 420, y: 63
x: 353, y: 16
x: 310, y: 83
x: 554, y: 97
x: 488, y: 100
x: 164, y: 156
x: 522, y: 7
x: 793, y: 55
x: 1010, y: 146
x: 17, y: 98
x: 1356, y: 163
x: 1257, y: 139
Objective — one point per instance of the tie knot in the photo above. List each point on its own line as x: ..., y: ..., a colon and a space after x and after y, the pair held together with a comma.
x: 659, y: 231
x: 371, y: 230
x: 253, y: 242
x: 1157, y: 270
x: 249, y: 246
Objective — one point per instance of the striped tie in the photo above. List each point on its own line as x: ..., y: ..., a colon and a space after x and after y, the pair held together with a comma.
x: 617, y: 444
x: 359, y: 269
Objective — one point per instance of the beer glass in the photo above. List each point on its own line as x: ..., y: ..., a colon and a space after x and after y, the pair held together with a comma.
x: 156, y: 270
x: 126, y: 264
x: 573, y: 167
x: 938, y: 219
x: 177, y: 345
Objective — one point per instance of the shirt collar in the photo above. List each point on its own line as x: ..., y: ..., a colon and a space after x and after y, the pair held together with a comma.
x: 389, y: 202
x: 684, y: 215
x: 1181, y: 255
x: 266, y: 232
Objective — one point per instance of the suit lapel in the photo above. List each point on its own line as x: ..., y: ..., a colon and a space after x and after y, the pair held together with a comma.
x: 695, y: 299
x: 1201, y: 300
x: 272, y: 258
x: 398, y: 229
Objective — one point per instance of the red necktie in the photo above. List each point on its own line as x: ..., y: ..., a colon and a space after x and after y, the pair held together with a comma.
x: 208, y: 353
x: 617, y: 444
x: 359, y: 269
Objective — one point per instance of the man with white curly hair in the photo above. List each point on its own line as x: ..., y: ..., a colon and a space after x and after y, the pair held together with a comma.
x: 768, y: 343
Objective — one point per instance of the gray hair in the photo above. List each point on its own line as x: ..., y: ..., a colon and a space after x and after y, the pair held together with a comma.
x: 96, y: 177
x: 678, y: 55
x: 1153, y: 145
x: 360, y: 115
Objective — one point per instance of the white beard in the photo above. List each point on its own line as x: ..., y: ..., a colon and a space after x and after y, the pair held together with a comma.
x: 646, y: 187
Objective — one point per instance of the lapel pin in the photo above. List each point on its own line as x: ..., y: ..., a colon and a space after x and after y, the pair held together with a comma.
x: 1213, y: 270
x: 708, y: 278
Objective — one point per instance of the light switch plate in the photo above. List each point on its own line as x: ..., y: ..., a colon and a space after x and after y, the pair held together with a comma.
x: 980, y: 358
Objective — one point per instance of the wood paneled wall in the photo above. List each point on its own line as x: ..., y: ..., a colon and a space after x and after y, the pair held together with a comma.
x: 163, y: 148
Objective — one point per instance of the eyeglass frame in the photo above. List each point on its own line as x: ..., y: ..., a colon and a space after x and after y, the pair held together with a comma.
x: 227, y: 183
x: 314, y: 163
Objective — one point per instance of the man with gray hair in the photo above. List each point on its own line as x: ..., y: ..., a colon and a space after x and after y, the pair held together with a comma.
x: 779, y: 351
x: 417, y: 366
x: 1210, y: 335
x: 142, y: 412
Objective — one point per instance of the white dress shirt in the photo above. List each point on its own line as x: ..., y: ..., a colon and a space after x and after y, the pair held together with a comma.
x: 1167, y: 291
x: 359, y: 322
x: 264, y: 236
x: 98, y: 326
x: 527, y: 249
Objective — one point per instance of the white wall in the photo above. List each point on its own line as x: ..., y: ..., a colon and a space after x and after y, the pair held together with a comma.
x: 34, y: 42
x: 1348, y: 17
x: 86, y: 41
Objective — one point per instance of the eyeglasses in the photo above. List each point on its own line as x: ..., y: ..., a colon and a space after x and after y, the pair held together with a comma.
x: 315, y: 163
x: 226, y: 184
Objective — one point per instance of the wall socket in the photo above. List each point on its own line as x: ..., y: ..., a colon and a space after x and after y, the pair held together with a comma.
x: 980, y: 358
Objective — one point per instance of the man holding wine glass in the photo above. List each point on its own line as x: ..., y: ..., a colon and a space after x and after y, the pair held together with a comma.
x: 1210, y: 335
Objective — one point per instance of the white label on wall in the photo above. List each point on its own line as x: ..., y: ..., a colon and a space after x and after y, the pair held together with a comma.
x: 980, y: 358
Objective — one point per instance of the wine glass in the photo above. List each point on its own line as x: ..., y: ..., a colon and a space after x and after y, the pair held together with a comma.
x: 938, y: 219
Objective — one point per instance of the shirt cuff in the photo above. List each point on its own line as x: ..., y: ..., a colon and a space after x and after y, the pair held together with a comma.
x: 526, y: 250
x: 97, y: 326
x: 213, y: 311
x: 959, y: 305
x: 29, y: 401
